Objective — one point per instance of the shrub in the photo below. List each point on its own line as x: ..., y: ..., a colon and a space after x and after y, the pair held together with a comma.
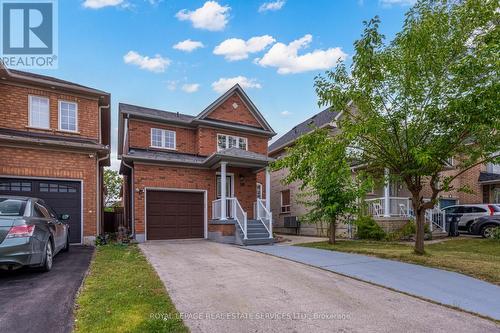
x: 496, y: 234
x: 407, y: 232
x: 367, y: 228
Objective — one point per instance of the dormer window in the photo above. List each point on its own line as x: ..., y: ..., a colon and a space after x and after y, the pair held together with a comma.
x: 161, y: 138
x: 229, y: 141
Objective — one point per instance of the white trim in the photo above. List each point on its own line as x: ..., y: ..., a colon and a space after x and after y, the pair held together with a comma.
x: 168, y: 189
x: 281, y: 201
x: 60, y: 179
x: 163, y: 136
x: 59, y: 115
x: 30, y: 124
x: 231, y: 174
x: 227, y: 141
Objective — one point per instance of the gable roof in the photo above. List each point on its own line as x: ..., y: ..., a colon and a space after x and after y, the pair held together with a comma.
x: 244, y: 97
x: 321, y: 119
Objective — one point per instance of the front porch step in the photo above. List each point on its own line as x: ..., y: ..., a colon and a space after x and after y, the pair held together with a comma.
x: 259, y: 241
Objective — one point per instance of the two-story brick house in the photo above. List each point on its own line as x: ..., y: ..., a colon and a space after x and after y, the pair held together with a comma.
x: 54, y: 143
x: 196, y: 176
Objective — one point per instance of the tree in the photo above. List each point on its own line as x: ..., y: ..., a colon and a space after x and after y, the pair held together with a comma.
x: 429, y: 95
x: 318, y: 161
x: 112, y: 185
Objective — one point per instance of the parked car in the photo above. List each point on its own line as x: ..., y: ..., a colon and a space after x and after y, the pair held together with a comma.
x: 470, y: 213
x: 31, y: 233
x: 484, y: 225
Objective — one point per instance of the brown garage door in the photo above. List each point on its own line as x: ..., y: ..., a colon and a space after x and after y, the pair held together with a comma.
x: 174, y: 215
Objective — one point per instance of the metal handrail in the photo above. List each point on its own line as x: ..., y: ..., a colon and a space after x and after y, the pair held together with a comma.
x: 241, y: 220
x: 266, y: 216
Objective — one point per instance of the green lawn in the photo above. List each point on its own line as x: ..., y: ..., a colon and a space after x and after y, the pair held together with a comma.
x: 122, y: 293
x: 479, y: 258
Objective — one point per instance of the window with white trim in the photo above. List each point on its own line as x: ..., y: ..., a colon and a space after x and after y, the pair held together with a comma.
x: 161, y: 138
x: 285, y: 201
x: 39, y: 112
x: 259, y: 191
x: 225, y: 141
x: 68, y: 116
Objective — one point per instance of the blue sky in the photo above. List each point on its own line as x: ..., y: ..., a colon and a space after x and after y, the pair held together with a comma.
x: 126, y: 47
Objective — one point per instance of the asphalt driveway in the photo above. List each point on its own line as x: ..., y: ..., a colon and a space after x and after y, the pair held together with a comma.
x: 224, y: 288
x: 32, y: 301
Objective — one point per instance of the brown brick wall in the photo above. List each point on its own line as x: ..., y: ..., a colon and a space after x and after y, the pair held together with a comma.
x: 240, y: 115
x: 146, y: 175
x: 14, y: 111
x: 56, y: 164
x: 140, y: 136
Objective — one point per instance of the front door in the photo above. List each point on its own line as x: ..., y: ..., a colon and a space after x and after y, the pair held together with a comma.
x: 229, y: 192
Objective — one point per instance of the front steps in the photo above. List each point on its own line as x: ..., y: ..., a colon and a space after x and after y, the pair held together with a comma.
x: 256, y: 234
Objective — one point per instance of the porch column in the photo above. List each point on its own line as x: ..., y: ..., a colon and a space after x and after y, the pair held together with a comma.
x: 223, y: 191
x: 387, y: 194
x: 268, y: 190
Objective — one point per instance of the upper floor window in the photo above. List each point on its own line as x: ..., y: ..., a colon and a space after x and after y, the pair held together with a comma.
x: 161, y: 138
x: 229, y: 141
x: 494, y: 168
x: 39, y: 114
x: 68, y: 116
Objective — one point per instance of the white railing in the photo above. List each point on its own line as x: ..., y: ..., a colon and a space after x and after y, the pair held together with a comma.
x: 265, y: 216
x: 398, y: 207
x: 436, y: 217
x: 233, y: 211
x: 239, y: 215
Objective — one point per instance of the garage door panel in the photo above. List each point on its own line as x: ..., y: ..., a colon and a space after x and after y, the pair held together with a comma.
x: 65, y: 197
x: 175, y: 215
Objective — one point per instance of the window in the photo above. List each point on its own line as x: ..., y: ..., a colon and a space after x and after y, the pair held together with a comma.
x: 285, y: 201
x: 39, y: 115
x: 494, y: 168
x: 15, y: 186
x: 259, y: 191
x: 41, y: 211
x: 229, y: 141
x: 56, y: 188
x: 161, y: 138
x: 68, y: 116
x: 12, y: 207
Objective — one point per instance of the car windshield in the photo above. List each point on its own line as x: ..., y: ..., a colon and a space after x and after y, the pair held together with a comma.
x: 12, y: 207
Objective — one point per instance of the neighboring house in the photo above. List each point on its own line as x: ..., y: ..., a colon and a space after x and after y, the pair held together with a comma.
x: 286, y: 202
x: 54, y: 143
x: 196, y: 176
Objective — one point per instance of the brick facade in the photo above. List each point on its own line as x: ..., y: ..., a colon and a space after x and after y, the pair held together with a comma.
x: 14, y: 101
x: 241, y: 114
x: 54, y: 159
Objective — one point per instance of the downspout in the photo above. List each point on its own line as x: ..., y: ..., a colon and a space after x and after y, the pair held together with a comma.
x: 131, y: 197
x: 99, y: 192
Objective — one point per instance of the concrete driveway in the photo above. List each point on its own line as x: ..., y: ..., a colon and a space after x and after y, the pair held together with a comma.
x: 31, y: 301
x: 224, y: 288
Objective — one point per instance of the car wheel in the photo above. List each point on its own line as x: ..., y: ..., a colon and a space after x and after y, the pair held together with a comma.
x: 49, y: 256
x: 66, y: 247
x: 487, y: 231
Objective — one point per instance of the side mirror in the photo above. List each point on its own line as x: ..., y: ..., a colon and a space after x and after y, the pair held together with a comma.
x: 64, y: 217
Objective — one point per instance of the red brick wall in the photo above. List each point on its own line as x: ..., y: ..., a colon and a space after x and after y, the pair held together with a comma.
x: 56, y: 164
x: 207, y: 141
x: 190, y: 178
x: 140, y: 136
x: 14, y: 111
x: 240, y: 115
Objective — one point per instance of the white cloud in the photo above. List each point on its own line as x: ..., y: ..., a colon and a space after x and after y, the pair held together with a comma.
x: 287, y: 60
x: 389, y: 3
x: 172, y: 85
x: 225, y: 83
x: 97, y: 4
x: 286, y: 113
x: 211, y: 16
x: 237, y: 49
x: 276, y: 5
x: 156, y: 64
x: 191, y: 87
x: 188, y: 45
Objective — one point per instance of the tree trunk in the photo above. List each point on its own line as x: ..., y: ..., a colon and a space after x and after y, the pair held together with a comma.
x: 419, y: 224
x: 333, y: 230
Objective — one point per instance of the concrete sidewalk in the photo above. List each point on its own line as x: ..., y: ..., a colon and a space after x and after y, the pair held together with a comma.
x: 437, y: 285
